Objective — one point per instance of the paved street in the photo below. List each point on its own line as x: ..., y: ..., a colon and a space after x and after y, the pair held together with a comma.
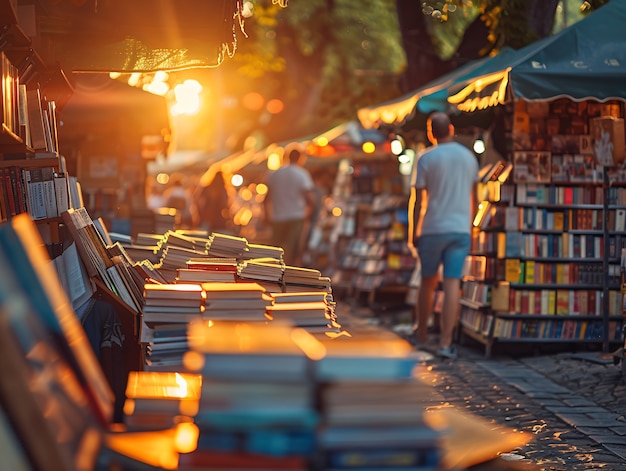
x: 573, y: 405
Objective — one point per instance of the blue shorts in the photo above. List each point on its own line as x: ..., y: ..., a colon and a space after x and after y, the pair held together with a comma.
x: 449, y: 249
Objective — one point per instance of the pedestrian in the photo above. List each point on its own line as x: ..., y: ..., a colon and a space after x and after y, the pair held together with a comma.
x: 440, y: 208
x: 289, y: 202
x: 213, y: 204
x: 155, y: 199
x: 179, y: 198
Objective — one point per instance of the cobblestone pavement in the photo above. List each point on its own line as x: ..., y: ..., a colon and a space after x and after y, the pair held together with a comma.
x: 573, y: 405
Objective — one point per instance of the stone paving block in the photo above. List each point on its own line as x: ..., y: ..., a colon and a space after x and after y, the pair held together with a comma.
x: 619, y: 430
x: 605, y: 416
x: 563, y: 409
x: 582, y: 420
x: 619, y: 450
x: 549, y: 402
x: 608, y: 439
x: 592, y: 429
x: 543, y: 395
x: 579, y: 402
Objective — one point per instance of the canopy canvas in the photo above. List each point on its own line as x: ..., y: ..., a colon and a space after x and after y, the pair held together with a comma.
x: 430, y: 97
x: 584, y: 61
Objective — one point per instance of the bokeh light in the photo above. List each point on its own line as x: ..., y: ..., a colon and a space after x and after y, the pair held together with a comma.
x: 368, y: 147
x: 236, y: 180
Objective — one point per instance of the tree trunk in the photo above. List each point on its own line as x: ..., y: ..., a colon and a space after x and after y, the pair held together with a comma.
x: 423, y: 63
x: 541, y: 16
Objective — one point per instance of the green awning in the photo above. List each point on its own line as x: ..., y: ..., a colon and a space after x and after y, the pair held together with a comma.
x: 584, y: 61
x: 430, y: 97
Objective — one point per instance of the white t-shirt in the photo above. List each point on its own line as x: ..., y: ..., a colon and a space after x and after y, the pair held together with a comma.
x: 288, y: 186
x: 448, y: 172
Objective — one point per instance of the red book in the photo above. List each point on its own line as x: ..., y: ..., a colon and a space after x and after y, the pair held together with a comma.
x: 591, y: 310
x: 568, y: 195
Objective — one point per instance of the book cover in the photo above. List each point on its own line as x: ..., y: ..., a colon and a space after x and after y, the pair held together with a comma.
x: 215, y: 290
x: 35, y: 120
x: 162, y: 392
x: 174, y: 291
x: 22, y: 244
x: 61, y: 193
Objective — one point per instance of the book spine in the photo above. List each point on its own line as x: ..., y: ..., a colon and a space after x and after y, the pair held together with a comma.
x: 10, y: 195
x: 49, y: 192
x: 61, y: 191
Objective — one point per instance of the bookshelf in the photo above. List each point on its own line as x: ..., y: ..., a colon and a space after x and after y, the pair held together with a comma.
x: 368, y: 237
x: 553, y: 236
x: 32, y: 173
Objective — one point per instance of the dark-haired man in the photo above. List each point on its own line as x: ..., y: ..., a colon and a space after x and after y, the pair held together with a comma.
x: 440, y: 209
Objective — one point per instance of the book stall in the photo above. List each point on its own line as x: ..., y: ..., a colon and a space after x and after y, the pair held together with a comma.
x: 200, y: 351
x: 251, y: 372
x: 545, y: 261
x: 551, y: 239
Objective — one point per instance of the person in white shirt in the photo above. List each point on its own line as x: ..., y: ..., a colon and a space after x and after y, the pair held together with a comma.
x: 440, y: 209
x: 288, y: 203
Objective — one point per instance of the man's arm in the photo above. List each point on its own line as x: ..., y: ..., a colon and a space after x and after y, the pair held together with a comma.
x: 416, y: 210
x: 311, y: 201
x: 267, y: 207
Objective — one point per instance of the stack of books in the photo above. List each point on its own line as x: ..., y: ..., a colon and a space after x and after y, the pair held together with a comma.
x: 258, y: 398
x: 365, y: 352
x: 156, y: 400
x: 167, y: 311
x: 205, y: 269
x: 305, y: 279
x: 149, y: 272
x: 145, y: 246
x: 175, y: 257
x: 371, y: 405
x: 247, y: 302
x: 149, y: 238
x: 312, y: 310
x: 191, y: 240
x: 152, y: 253
x: 268, y: 272
x: 224, y: 245
x: 194, y: 275
x: 264, y: 251
x: 172, y: 302
x: 213, y: 263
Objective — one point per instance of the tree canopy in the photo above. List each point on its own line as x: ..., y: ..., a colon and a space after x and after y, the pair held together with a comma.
x: 324, y: 59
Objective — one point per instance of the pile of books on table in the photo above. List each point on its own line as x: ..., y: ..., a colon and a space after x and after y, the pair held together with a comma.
x: 246, y: 302
x: 278, y: 396
x: 304, y: 279
x: 225, y: 245
x: 206, y: 269
x: 167, y: 311
x: 311, y: 310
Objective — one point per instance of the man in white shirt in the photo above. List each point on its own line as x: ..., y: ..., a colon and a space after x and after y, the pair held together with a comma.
x: 289, y: 202
x: 440, y: 209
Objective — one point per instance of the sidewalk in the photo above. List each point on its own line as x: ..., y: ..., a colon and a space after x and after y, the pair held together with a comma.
x: 573, y: 405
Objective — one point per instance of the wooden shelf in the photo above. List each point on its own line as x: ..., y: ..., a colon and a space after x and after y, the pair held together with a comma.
x: 35, y: 162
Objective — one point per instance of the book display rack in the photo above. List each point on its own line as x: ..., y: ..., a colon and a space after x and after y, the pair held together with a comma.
x: 367, y: 240
x: 551, y: 233
x: 33, y: 178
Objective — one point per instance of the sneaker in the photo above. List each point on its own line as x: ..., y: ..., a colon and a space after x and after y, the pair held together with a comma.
x: 429, y: 345
x: 448, y: 352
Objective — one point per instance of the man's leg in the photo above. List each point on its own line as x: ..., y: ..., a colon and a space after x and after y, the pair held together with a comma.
x: 450, y: 310
x: 425, y: 306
